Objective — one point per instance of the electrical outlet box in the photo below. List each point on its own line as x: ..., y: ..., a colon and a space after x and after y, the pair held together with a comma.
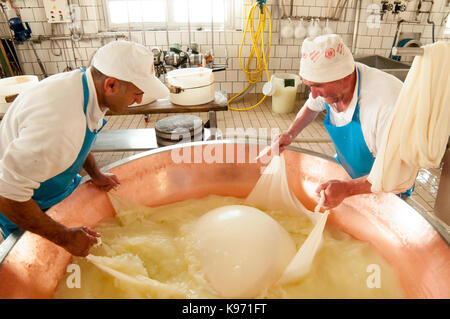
x: 57, y: 11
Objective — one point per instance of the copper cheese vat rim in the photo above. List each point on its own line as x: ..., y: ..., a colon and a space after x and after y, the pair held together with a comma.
x: 415, y: 245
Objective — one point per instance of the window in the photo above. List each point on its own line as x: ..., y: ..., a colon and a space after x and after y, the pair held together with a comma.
x: 171, y: 14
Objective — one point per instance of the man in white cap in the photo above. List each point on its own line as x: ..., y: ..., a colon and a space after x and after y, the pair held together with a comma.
x: 47, y: 134
x: 359, y: 101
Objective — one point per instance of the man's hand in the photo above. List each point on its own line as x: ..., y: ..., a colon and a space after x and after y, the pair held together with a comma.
x: 28, y: 216
x: 335, y: 192
x: 281, y: 141
x: 79, y: 240
x: 105, y: 181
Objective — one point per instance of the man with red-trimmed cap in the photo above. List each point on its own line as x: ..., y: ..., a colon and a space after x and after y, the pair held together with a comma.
x: 47, y: 134
x: 359, y: 101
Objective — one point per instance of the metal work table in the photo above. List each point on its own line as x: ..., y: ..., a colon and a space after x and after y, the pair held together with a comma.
x: 143, y: 139
x: 125, y: 140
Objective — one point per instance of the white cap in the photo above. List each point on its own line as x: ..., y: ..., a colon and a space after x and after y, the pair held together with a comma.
x: 325, y: 59
x: 131, y: 62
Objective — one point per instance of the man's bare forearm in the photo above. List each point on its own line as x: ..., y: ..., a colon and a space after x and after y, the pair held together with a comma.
x: 28, y: 216
x: 359, y: 186
x: 90, y: 166
x: 305, y: 118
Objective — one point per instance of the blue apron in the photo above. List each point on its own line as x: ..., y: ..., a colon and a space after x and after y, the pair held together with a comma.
x: 351, y: 148
x: 55, y: 189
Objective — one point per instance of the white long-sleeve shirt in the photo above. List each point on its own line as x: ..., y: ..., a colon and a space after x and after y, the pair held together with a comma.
x: 43, y: 131
x: 377, y: 97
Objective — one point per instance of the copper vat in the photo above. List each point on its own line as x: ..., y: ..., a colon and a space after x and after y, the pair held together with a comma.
x: 417, y: 251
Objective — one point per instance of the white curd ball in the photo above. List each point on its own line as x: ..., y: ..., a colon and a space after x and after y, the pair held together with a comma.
x: 242, y: 250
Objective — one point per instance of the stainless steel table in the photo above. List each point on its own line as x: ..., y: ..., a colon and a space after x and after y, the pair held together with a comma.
x: 125, y: 140
x: 143, y: 139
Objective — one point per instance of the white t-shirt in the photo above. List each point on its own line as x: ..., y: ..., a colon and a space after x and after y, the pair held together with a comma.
x: 377, y: 96
x: 43, y: 131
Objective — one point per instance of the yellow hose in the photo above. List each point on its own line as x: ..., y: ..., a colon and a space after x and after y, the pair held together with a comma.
x: 257, y: 49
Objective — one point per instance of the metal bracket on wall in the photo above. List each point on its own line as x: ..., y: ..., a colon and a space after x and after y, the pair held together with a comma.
x: 307, y: 18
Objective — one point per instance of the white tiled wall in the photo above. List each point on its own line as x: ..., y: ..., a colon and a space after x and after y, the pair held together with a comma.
x: 284, y: 55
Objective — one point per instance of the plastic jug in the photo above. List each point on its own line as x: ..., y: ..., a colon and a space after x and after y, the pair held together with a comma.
x: 327, y: 29
x: 300, y: 30
x: 314, y: 29
x: 283, y: 99
x: 287, y: 30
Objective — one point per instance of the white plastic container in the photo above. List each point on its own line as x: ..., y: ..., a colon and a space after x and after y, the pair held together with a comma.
x: 283, y: 99
x: 196, y: 86
x: 14, y: 85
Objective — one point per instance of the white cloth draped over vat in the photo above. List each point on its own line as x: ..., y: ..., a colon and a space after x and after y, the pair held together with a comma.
x: 420, y: 128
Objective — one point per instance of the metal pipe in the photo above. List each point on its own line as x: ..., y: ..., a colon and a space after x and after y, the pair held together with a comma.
x: 394, y: 43
x: 74, y: 36
x: 16, y: 60
x: 341, y: 9
x: 225, y: 39
x: 407, y: 51
x: 236, y: 135
x: 40, y: 38
x: 212, y: 31
x: 442, y: 204
x: 356, y: 27
x: 309, y: 18
x: 418, y: 11
x: 428, y: 18
x: 167, y: 27
x: 189, y: 26
x: 38, y: 60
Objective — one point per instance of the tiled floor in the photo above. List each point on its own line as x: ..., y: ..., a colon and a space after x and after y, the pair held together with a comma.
x: 263, y: 117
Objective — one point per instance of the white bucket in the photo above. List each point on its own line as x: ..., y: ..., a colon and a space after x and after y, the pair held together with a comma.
x: 14, y: 85
x: 283, y: 98
x: 197, y: 86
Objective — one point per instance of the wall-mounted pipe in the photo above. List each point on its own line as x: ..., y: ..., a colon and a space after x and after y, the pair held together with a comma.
x: 356, y: 27
x: 396, y: 36
x: 418, y: 11
x: 306, y: 18
x: 41, y: 65
x: 341, y: 9
x: 16, y: 58
x: 407, y: 51
x: 40, y: 38
x: 237, y: 135
x: 442, y: 204
x: 189, y: 25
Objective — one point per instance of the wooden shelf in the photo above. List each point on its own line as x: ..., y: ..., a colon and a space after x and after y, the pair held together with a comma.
x: 165, y: 106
